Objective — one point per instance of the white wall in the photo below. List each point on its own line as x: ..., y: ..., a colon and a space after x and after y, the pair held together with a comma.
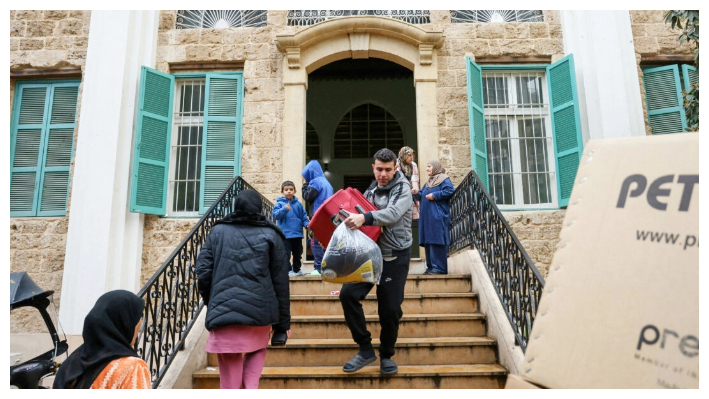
x: 606, y: 72
x: 104, y: 241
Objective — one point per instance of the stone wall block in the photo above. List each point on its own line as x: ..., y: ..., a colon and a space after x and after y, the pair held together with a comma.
x: 28, y: 14
x: 553, y: 17
x: 276, y: 17
x: 446, y: 79
x: 661, y: 30
x: 48, y: 58
x: 235, y: 36
x: 548, y: 46
x: 60, y: 226
x: 211, y: 36
x: 539, y: 30
x: 53, y: 241
x: 461, y: 31
x: 646, y: 45
x: 235, y: 53
x: 28, y: 226
x: 670, y: 45
x: 59, y: 43
x: 81, y: 14
x: 267, y: 135
x: 517, y: 30
x: 452, y: 97
x: 257, y: 51
x: 55, y: 14
x: 40, y: 28
x: 165, y: 38
x: 456, y: 117
x: 460, y: 156
x: 516, y: 47
x: 263, y: 90
x: 259, y: 112
x: 555, y: 32
x: 461, y: 78
x: 455, y: 135
x: 53, y: 260
x: 167, y: 21
x: 17, y: 28
x: 186, y: 36
x: 260, y: 35
x: 549, y: 232
x: 28, y: 260
x: 647, y: 16
x: 258, y: 69
x: 203, y: 53
x: 638, y: 30
x: 491, y: 31
x: 69, y: 27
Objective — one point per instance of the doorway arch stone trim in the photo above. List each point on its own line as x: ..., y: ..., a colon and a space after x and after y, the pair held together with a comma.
x: 358, y: 37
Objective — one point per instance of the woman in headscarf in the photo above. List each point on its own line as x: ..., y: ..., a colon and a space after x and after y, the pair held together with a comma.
x: 107, y: 360
x: 405, y: 163
x: 242, y: 275
x: 435, y: 218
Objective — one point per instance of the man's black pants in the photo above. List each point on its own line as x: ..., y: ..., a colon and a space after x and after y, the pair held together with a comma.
x: 390, y: 295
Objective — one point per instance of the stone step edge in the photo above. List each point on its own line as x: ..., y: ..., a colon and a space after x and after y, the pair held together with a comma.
x: 408, y: 277
x: 405, y: 371
x: 442, y: 295
x: 405, y: 317
x: 332, y: 343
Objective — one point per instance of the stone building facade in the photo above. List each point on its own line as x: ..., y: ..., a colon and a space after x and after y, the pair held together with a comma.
x: 275, y: 60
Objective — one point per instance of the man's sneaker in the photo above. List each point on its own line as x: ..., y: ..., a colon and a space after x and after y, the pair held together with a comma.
x: 292, y: 274
x: 301, y: 273
x: 315, y: 273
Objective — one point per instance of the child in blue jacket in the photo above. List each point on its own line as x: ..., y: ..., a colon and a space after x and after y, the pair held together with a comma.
x: 316, y: 189
x: 291, y: 218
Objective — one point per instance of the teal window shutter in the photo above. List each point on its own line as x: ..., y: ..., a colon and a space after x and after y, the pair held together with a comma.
x: 27, y: 132
x: 221, y: 142
x: 476, y: 121
x: 690, y: 75
x: 152, y: 142
x: 42, y: 143
x: 663, y: 95
x: 59, y: 144
x: 566, y: 125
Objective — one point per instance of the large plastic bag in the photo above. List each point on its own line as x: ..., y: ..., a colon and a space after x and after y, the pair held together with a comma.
x: 352, y: 257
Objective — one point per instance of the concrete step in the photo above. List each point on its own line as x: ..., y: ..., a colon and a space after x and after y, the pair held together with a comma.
x: 409, y: 351
x: 410, y: 326
x: 461, y: 376
x: 458, y: 302
x: 415, y: 284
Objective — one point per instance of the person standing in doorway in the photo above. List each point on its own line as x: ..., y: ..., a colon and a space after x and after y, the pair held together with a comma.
x: 316, y: 189
x: 391, y: 195
x: 405, y: 163
x: 434, y: 220
x: 242, y: 275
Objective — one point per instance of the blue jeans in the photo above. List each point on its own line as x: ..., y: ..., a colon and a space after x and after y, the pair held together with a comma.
x: 318, y: 253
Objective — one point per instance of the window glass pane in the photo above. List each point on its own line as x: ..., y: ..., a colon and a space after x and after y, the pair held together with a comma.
x: 359, y: 131
x: 187, y: 148
x: 494, y: 91
x: 529, y: 90
x: 377, y: 113
x: 360, y: 113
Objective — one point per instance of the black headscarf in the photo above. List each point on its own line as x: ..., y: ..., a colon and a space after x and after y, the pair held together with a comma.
x: 247, y: 210
x: 108, y: 331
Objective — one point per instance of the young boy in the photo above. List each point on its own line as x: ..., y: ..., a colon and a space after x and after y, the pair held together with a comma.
x: 316, y: 189
x: 291, y: 218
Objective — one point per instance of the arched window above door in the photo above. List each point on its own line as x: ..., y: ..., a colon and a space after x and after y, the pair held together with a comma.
x: 364, y: 130
x: 312, y: 143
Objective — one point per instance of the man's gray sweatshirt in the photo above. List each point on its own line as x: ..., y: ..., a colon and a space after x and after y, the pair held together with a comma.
x: 394, y: 202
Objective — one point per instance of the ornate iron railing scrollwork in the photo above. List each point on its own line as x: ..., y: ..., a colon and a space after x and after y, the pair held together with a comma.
x: 476, y: 222
x: 172, y: 301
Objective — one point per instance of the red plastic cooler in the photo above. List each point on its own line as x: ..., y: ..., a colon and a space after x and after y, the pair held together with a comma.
x: 327, y: 217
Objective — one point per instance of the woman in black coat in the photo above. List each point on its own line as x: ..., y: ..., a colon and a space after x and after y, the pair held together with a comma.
x: 242, y: 273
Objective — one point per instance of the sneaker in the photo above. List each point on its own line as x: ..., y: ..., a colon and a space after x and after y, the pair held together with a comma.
x: 315, y: 273
x: 292, y: 274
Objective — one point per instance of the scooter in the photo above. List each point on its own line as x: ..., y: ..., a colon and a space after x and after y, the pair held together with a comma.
x: 24, y: 292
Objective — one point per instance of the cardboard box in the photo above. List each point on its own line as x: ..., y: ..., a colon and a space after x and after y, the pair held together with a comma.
x: 620, y: 308
x: 517, y: 382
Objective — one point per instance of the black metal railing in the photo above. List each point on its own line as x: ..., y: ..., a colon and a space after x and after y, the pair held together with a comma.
x: 476, y: 222
x: 172, y: 301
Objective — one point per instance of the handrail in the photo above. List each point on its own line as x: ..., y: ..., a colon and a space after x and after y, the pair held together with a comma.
x: 172, y: 301
x: 476, y: 222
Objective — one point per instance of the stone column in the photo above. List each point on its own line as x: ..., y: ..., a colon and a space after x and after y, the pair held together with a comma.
x: 295, y: 85
x: 104, y: 240
x: 606, y: 72
x: 426, y: 116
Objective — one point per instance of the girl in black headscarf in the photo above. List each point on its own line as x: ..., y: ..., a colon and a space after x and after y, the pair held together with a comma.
x: 242, y: 274
x: 107, y: 358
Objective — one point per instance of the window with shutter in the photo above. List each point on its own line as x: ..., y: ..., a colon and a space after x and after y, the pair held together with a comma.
x: 663, y: 96
x: 42, y: 145
x: 525, y: 132
x: 201, y: 136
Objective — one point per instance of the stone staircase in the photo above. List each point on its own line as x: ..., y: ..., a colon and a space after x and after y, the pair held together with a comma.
x: 442, y: 342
